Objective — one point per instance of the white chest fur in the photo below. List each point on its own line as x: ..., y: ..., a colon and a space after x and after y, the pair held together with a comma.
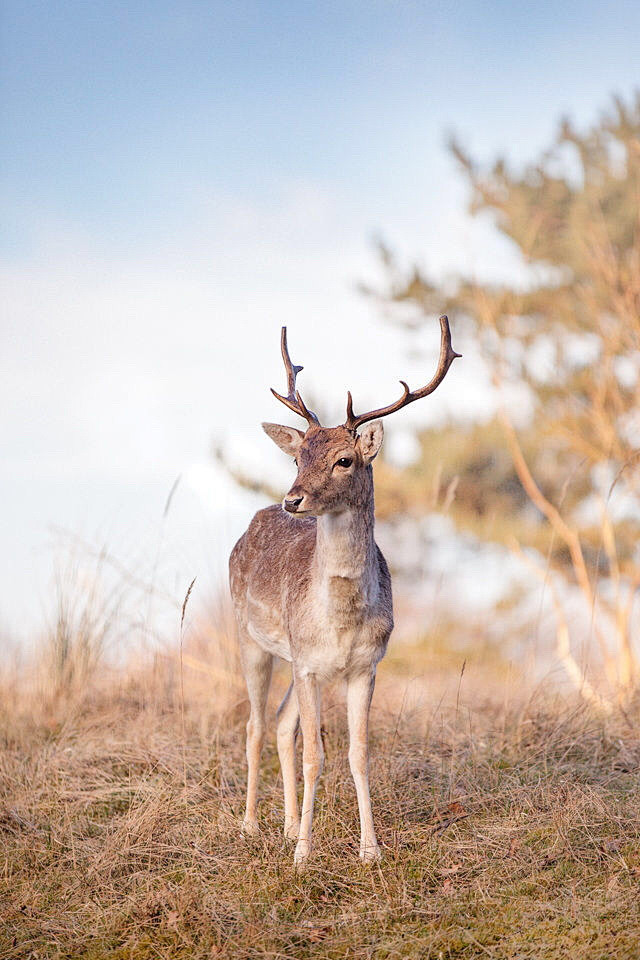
x: 340, y: 621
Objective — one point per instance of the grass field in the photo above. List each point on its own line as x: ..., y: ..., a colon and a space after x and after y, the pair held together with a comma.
x: 509, y: 821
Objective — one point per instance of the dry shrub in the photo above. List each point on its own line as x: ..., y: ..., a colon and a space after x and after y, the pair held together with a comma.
x: 509, y: 823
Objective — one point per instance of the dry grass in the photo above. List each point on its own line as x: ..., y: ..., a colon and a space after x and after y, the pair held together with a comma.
x: 509, y: 829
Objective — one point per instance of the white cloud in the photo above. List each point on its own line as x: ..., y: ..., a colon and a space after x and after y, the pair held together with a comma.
x: 121, y: 367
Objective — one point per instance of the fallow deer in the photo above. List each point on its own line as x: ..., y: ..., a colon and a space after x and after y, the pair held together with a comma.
x: 311, y: 586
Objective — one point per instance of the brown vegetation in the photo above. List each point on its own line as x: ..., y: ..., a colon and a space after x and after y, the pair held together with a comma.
x: 509, y: 826
x: 565, y: 482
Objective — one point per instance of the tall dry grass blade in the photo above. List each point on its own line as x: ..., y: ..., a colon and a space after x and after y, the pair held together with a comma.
x: 184, y: 735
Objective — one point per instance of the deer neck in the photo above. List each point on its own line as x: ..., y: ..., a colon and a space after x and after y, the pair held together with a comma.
x: 345, y: 545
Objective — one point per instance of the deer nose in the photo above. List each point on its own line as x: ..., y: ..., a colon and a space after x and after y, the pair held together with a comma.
x: 291, y: 504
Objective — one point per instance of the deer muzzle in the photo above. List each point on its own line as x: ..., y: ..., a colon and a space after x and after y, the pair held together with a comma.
x: 293, y: 501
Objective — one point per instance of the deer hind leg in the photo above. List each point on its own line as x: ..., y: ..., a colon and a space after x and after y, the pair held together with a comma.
x: 287, y: 727
x: 308, y: 694
x: 359, y: 693
x: 257, y: 667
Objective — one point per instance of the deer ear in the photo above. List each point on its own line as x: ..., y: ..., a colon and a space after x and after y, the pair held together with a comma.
x: 370, y: 440
x: 287, y: 438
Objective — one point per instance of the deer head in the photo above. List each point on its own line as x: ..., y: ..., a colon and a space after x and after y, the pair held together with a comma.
x: 334, y: 463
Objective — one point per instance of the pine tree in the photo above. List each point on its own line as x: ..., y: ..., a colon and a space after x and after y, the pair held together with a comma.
x: 568, y: 482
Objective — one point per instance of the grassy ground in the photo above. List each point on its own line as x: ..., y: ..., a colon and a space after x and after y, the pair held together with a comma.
x: 509, y: 828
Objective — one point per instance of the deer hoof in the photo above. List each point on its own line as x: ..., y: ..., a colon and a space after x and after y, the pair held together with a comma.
x: 250, y: 828
x: 370, y: 854
x: 301, y: 856
x: 291, y: 829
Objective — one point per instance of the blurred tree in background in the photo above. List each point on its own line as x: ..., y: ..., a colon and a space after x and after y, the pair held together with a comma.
x: 567, y: 481
x: 564, y: 480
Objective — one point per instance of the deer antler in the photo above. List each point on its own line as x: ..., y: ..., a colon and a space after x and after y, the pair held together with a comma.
x: 447, y: 356
x: 293, y: 400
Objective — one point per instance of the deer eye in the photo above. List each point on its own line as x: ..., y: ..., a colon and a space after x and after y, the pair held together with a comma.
x: 344, y: 462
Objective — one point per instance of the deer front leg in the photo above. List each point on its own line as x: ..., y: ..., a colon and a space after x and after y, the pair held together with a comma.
x: 308, y: 694
x: 287, y: 726
x: 359, y: 693
x: 257, y: 666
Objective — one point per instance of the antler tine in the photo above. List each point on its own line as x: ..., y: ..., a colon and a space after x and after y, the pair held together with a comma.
x: 447, y: 356
x: 293, y: 400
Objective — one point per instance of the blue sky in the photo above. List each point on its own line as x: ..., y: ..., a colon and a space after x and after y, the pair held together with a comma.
x: 179, y: 179
x: 113, y: 111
